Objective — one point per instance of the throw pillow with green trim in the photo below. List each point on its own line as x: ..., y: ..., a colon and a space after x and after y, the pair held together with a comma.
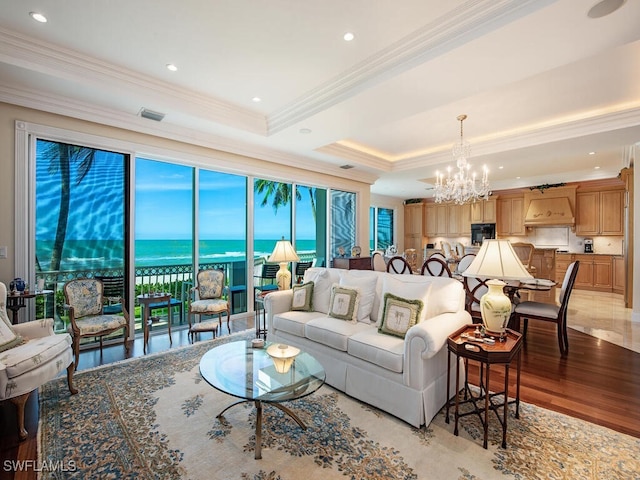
x: 303, y: 297
x: 8, y: 337
x: 399, y: 315
x: 344, y: 303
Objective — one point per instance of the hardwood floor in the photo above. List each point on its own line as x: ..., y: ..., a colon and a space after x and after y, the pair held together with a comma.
x: 597, y: 381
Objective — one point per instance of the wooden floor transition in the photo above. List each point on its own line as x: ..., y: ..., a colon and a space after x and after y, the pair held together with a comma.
x: 597, y: 381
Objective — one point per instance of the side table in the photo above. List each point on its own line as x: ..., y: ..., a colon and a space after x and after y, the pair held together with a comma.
x: 15, y: 302
x: 145, y: 300
x: 261, y: 315
x: 463, y: 344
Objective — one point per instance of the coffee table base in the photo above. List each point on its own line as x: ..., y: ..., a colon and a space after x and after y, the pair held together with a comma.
x: 258, y: 405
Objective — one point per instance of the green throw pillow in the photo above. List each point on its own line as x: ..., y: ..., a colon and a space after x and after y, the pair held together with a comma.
x: 399, y: 315
x: 303, y: 297
x: 344, y: 303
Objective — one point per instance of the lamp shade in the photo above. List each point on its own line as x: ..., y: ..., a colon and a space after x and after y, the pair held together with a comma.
x: 497, y: 259
x: 283, y: 252
x: 282, y: 356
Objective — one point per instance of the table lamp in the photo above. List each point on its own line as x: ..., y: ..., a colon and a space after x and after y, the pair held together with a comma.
x: 498, y: 261
x: 282, y: 356
x: 283, y: 253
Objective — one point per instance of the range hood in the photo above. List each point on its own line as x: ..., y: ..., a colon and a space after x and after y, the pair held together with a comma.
x: 544, y: 212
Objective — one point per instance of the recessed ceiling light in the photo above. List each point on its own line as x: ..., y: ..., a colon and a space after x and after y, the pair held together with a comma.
x: 305, y: 130
x: 592, y: 153
x: 172, y: 67
x: 604, y: 8
x: 517, y: 178
x: 596, y: 168
x: 348, y: 36
x: 256, y: 99
x: 500, y: 167
x: 38, y: 17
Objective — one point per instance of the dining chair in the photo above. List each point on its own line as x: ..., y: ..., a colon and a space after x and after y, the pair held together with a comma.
x: 411, y: 256
x: 464, y: 262
x: 377, y: 262
x: 84, y: 302
x: 550, y: 312
x: 210, y: 288
x: 399, y: 265
x: 435, y: 267
x: 474, y: 288
x: 524, y: 251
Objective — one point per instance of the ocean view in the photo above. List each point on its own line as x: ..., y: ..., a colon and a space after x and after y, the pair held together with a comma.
x: 88, y: 254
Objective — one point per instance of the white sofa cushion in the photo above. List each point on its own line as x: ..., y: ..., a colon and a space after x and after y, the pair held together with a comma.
x: 293, y: 322
x: 365, y: 281
x: 20, y: 359
x: 445, y: 296
x: 332, y: 332
x: 322, y: 279
x: 386, y: 351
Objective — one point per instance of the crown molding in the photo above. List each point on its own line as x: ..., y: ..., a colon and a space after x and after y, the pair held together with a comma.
x: 104, y: 116
x: 458, y: 26
x: 59, y: 62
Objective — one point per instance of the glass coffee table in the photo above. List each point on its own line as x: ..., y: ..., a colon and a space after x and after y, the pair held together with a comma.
x: 248, y: 373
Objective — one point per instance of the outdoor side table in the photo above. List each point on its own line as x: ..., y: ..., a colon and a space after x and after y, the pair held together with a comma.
x: 261, y: 315
x: 463, y: 344
x: 145, y: 300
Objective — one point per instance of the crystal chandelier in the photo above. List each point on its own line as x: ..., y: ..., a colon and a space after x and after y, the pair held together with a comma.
x: 461, y: 187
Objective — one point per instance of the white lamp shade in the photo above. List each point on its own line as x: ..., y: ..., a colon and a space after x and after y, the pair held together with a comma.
x: 497, y: 259
x: 283, y: 252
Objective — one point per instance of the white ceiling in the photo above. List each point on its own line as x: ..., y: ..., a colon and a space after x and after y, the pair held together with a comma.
x: 541, y: 82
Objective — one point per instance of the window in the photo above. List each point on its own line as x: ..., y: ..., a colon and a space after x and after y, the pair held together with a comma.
x: 380, y: 228
x: 343, y: 222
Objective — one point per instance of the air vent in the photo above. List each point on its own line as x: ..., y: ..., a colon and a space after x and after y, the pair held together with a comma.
x: 346, y: 167
x: 151, y: 115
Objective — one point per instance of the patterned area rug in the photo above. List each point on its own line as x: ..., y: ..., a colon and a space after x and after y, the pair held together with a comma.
x: 154, y: 417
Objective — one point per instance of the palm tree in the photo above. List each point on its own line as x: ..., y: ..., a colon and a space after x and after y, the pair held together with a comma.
x: 280, y: 194
x: 61, y: 157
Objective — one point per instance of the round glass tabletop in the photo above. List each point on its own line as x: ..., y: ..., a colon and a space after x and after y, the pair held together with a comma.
x: 238, y: 369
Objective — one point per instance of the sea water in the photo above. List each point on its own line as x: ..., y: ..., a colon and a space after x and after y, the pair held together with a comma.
x: 105, y: 254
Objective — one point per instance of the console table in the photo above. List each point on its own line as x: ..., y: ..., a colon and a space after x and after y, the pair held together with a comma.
x: 353, y: 263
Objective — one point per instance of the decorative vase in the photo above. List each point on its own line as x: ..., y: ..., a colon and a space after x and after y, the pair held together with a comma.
x: 17, y: 284
x: 495, y: 307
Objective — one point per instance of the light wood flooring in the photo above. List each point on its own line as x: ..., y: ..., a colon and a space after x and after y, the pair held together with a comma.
x: 597, y: 381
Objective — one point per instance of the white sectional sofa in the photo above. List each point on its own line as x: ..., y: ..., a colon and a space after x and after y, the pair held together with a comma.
x: 406, y: 377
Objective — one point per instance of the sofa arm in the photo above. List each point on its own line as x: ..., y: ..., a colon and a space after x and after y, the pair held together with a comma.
x: 424, y: 340
x: 276, y: 302
x: 35, y: 329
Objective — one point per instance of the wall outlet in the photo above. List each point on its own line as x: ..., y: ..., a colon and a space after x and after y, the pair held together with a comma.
x: 3, y: 252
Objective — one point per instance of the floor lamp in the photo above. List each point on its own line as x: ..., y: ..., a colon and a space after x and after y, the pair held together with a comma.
x: 498, y: 261
x: 283, y: 253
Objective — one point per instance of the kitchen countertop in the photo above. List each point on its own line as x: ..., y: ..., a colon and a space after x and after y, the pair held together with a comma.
x: 595, y: 253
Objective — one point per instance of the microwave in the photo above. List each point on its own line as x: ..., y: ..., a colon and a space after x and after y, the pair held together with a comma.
x: 480, y: 231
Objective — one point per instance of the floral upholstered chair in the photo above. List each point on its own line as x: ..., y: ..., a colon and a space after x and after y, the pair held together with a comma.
x: 84, y: 302
x: 210, y: 288
x: 31, y: 354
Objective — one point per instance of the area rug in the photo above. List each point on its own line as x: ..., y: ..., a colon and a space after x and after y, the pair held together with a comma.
x: 154, y: 417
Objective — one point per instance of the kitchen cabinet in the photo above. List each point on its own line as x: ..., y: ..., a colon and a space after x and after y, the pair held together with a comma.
x: 436, y: 220
x: 563, y: 260
x: 595, y: 272
x: 484, y: 211
x: 600, y: 213
x: 413, y: 227
x: 544, y: 261
x: 510, y: 217
x: 619, y: 274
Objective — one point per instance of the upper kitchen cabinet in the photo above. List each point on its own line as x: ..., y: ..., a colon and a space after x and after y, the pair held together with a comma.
x: 510, y: 216
x: 600, y: 212
x: 442, y: 220
x: 484, y: 211
x: 413, y: 226
x: 436, y: 220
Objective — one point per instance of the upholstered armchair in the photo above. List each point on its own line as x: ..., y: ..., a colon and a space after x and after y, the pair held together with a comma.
x: 84, y: 303
x: 210, y: 288
x: 31, y: 354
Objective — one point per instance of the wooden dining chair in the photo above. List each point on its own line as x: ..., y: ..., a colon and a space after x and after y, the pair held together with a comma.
x: 549, y: 312
x: 399, y: 265
x: 435, y: 267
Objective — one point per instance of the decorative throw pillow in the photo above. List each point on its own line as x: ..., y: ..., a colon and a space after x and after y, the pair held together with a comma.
x: 344, y: 303
x: 365, y: 282
x: 8, y: 337
x: 303, y: 297
x: 399, y: 315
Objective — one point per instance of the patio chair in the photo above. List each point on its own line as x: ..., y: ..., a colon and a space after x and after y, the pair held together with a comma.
x: 31, y: 355
x: 268, y: 273
x: 113, y: 293
x: 84, y: 301
x: 210, y: 288
x: 302, y: 267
